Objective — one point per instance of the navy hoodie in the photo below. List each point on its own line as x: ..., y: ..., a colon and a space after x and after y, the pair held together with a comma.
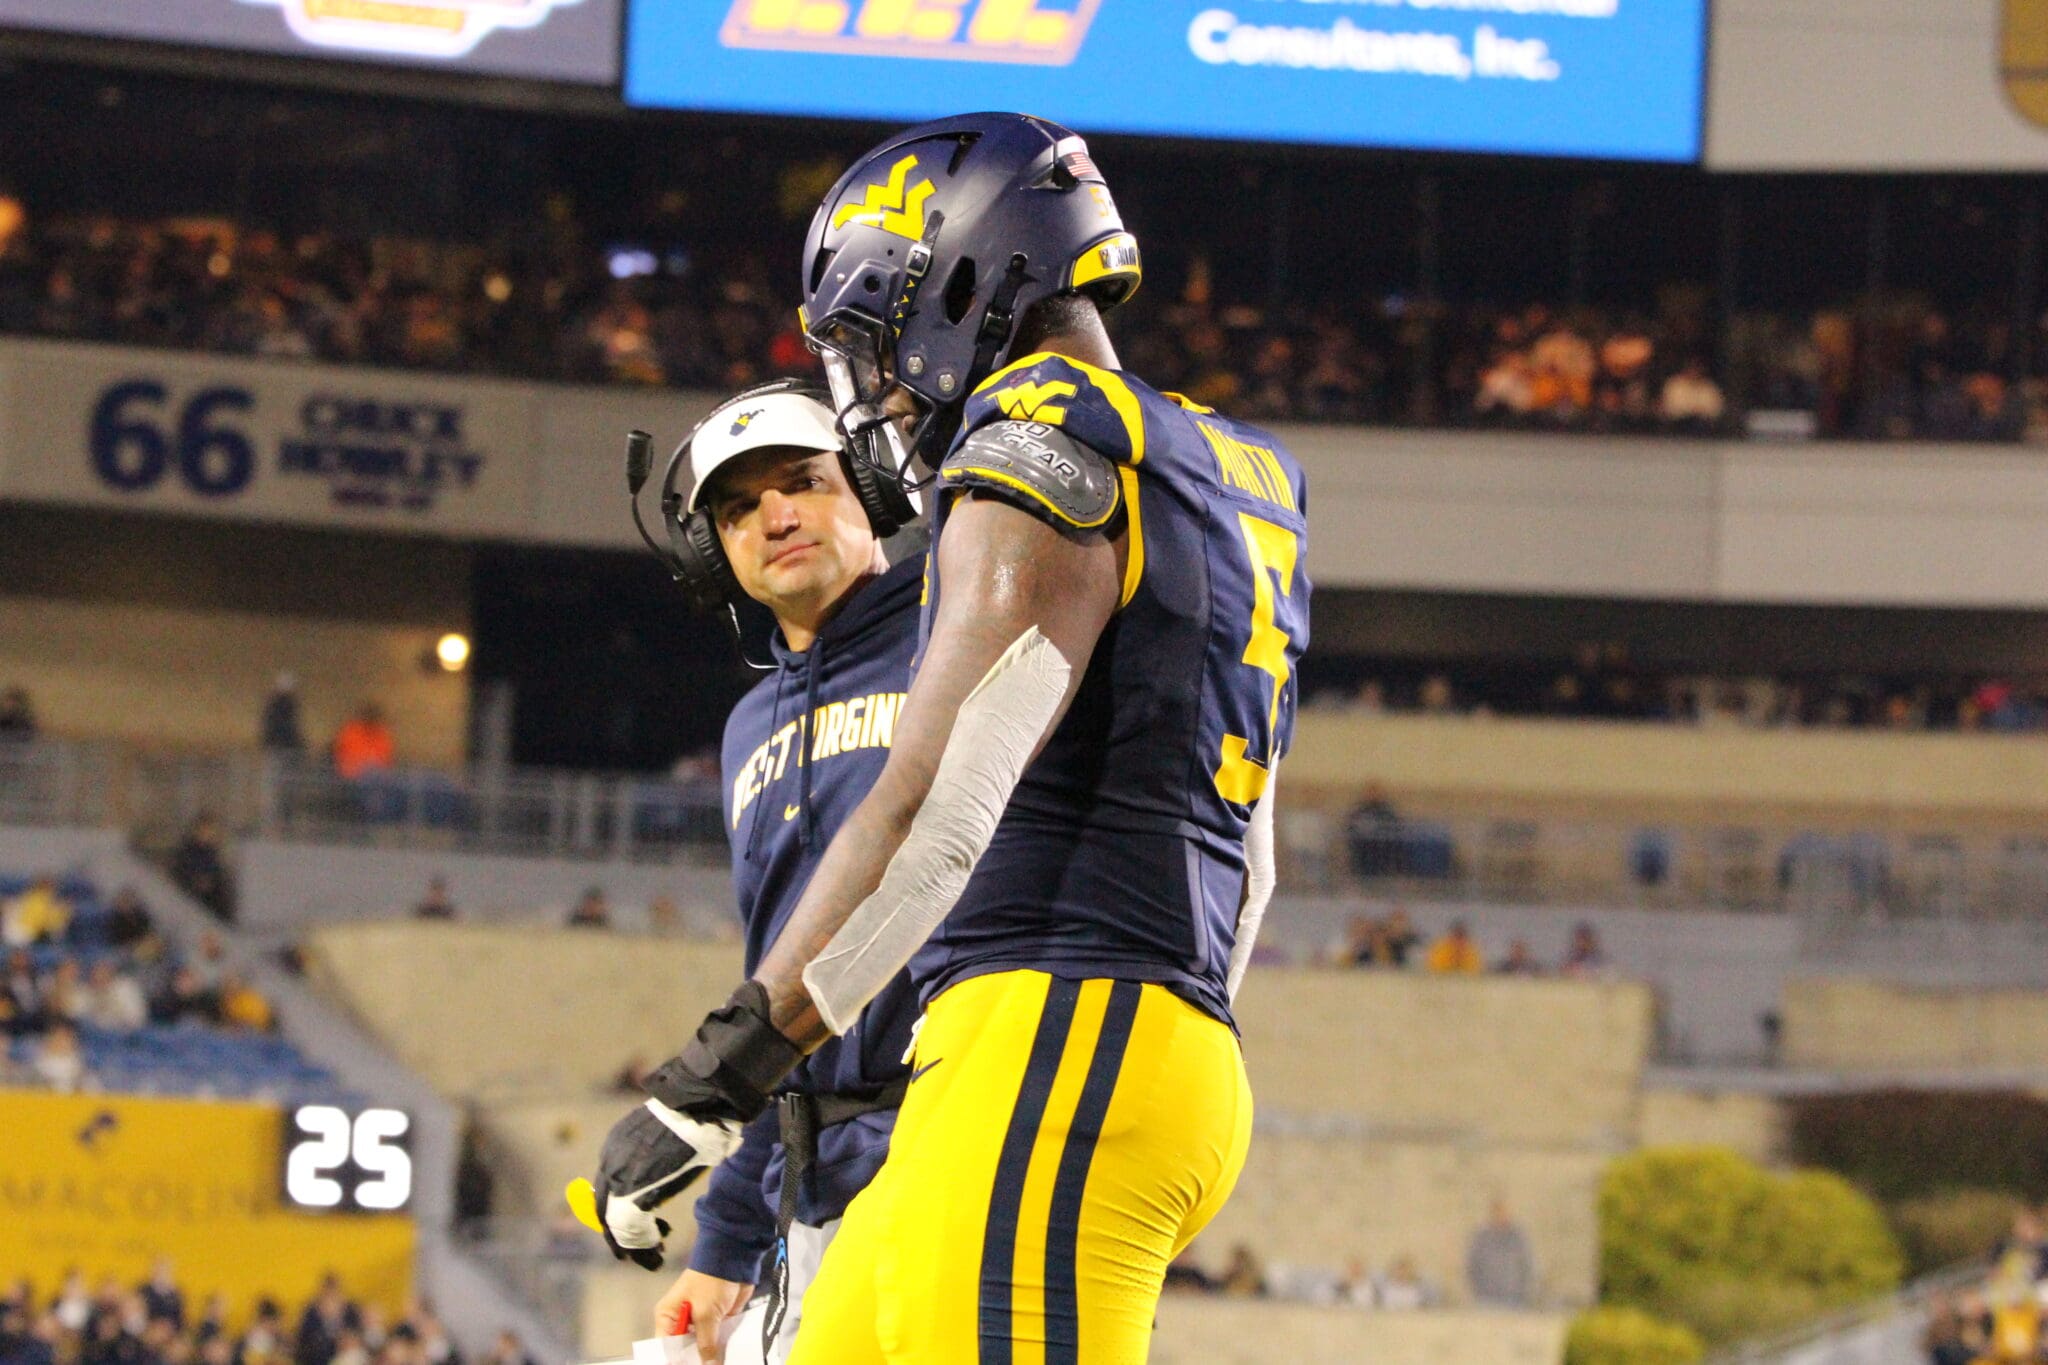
x: 801, y: 750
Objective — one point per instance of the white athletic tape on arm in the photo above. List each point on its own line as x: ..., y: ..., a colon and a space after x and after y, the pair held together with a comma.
x: 999, y: 724
x: 1259, y: 877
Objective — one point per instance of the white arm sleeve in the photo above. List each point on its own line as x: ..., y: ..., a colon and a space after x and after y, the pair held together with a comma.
x: 1259, y: 877
x: 999, y: 725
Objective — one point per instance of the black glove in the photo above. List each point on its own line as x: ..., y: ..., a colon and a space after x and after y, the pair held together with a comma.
x: 699, y: 1103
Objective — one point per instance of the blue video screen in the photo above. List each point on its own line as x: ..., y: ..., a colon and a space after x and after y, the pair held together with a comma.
x: 1617, y: 79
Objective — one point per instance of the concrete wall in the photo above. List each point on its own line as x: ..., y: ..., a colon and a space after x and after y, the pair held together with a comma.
x: 1315, y: 1202
x: 1744, y: 1121
x: 1856, y: 1025
x: 292, y: 886
x: 499, y: 1013
x: 1197, y: 1331
x: 1645, y: 769
x: 1488, y: 1058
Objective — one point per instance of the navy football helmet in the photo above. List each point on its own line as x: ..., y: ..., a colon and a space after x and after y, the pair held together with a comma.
x: 924, y: 255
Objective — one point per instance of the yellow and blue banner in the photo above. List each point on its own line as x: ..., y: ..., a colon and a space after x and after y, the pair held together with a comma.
x: 109, y: 1183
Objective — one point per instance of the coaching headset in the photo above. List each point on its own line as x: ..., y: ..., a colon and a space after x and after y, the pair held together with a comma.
x: 784, y: 413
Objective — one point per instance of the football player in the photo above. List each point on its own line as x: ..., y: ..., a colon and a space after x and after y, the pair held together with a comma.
x: 1070, y: 841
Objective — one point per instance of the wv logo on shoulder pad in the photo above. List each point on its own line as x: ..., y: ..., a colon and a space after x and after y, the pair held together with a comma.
x: 896, y: 207
x: 1031, y: 401
x: 1041, y: 32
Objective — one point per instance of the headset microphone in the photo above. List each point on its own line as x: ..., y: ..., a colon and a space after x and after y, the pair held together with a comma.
x: 639, y: 460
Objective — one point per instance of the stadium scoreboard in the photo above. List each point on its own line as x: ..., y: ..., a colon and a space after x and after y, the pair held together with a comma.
x: 1617, y: 79
x: 554, y: 40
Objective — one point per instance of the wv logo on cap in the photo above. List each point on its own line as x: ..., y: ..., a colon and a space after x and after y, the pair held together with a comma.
x: 739, y: 423
x: 896, y: 207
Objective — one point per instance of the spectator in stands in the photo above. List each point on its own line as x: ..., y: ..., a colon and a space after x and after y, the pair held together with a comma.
x: 162, y: 1297
x: 1436, y: 696
x: 1950, y: 1338
x: 23, y: 994
x: 1456, y: 953
x: 1585, y: 956
x: 112, y: 1000
x: 264, y: 1341
x: 211, y: 961
x: 325, y: 1323
x: 64, y: 992
x: 1373, y: 833
x: 1184, y: 1272
x: 1691, y: 400
x: 1395, y: 942
x: 508, y: 1350
x: 17, y: 717
x: 1497, y: 1262
x: 664, y: 916
x: 279, y: 728
x: 591, y: 912
x: 39, y: 914
x: 364, y: 744
x: 199, y: 869
x: 1243, y: 1277
x: 128, y: 919
x: 73, y: 1304
x: 58, y: 1062
x: 187, y: 996
x: 244, y: 1007
x: 1402, y: 1288
x: 1356, y: 947
x: 1519, y: 961
x: 26, y: 1339
x: 436, y: 904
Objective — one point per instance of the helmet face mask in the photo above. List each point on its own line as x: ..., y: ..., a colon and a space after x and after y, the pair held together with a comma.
x: 859, y: 373
x: 922, y: 258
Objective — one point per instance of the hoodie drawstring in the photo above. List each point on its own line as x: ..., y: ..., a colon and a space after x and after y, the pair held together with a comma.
x: 760, y: 814
x: 814, y: 664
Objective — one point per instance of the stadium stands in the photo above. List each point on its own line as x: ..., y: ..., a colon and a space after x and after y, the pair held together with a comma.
x: 215, y: 1042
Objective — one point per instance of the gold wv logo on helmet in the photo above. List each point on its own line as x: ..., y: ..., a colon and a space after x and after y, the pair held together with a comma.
x: 896, y: 207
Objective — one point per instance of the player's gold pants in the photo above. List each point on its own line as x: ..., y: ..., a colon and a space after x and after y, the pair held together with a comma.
x: 1061, y: 1142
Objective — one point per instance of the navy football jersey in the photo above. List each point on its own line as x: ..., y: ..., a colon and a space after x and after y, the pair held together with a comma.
x: 1121, y: 853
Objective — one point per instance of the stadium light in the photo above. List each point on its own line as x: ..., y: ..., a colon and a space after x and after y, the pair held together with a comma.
x: 452, y: 651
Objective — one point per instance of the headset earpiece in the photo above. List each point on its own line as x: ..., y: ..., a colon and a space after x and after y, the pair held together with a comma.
x: 888, y: 507
x: 698, y: 560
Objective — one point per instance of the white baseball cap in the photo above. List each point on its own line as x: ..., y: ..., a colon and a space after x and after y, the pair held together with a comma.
x: 768, y: 421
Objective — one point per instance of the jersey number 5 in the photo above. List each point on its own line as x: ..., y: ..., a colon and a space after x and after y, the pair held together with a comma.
x: 1240, y: 778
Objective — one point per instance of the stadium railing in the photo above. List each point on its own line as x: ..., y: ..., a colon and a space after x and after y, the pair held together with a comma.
x: 1836, y: 881
x: 46, y: 782
x: 1879, y: 1332
x: 543, y: 812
